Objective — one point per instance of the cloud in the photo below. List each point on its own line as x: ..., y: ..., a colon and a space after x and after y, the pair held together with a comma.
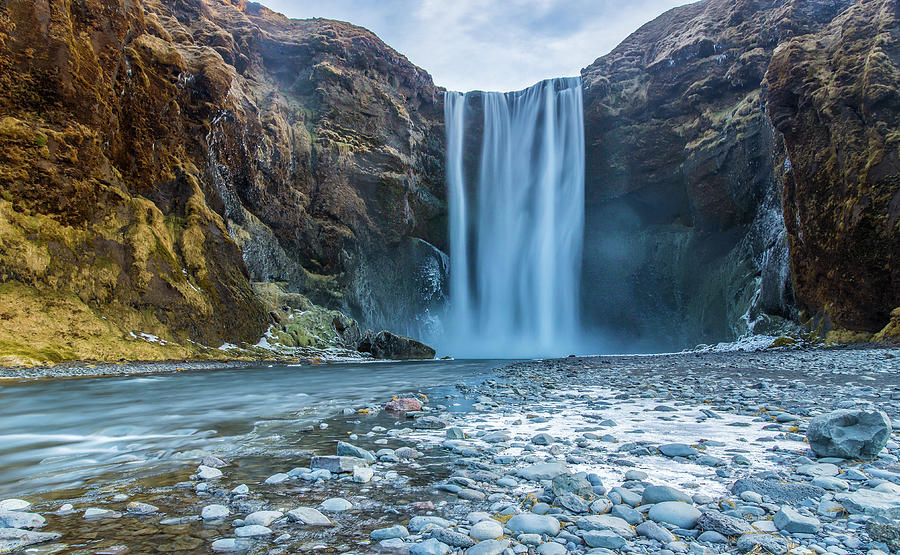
x: 491, y: 45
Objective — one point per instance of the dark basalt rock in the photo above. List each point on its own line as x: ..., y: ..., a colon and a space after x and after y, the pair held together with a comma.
x: 791, y: 493
x: 387, y: 345
x: 684, y: 170
x: 724, y: 524
x: 886, y: 531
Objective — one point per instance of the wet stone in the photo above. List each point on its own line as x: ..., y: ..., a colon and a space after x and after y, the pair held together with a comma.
x: 533, y: 524
x: 776, y: 545
x: 308, y: 516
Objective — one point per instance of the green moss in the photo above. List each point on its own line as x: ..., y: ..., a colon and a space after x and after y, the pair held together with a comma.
x: 783, y: 341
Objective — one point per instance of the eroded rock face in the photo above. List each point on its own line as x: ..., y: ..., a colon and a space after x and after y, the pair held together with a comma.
x: 156, y: 158
x: 835, y: 96
x: 684, y: 172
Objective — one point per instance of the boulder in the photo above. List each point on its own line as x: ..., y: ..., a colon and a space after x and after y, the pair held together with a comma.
x: 654, y: 531
x: 726, y: 525
x: 308, y: 517
x: 570, y: 483
x: 659, y: 494
x: 349, y: 450
x: 791, y: 521
x: 420, y: 523
x: 406, y: 404
x: 871, y: 502
x: 678, y: 450
x: 16, y: 519
x: 529, y: 523
x: 336, y: 465
x: 386, y: 345
x: 263, y: 518
x: 885, y: 531
x: 606, y: 522
x: 488, y: 547
x: 675, y: 512
x: 543, y: 471
x: 791, y: 493
x: 451, y: 537
x: 573, y: 503
x: 859, y: 433
x: 12, y: 539
x: 776, y: 545
x: 431, y: 546
x: 395, y: 531
x: 488, y: 529
x: 603, y: 538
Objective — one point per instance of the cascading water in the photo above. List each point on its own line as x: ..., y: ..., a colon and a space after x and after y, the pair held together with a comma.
x: 516, y: 221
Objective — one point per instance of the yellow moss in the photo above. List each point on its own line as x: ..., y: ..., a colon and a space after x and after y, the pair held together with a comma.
x: 843, y: 337
x: 38, y: 327
x: 892, y: 330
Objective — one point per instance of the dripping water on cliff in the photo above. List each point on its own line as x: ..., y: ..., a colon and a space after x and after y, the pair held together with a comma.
x: 515, y: 182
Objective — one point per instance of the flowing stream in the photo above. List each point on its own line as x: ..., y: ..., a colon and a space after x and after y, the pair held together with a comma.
x: 516, y: 219
x: 71, y: 433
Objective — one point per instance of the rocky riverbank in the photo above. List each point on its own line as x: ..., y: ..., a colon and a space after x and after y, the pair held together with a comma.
x: 695, y: 452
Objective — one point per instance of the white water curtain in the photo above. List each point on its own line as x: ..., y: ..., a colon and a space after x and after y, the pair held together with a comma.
x: 516, y: 228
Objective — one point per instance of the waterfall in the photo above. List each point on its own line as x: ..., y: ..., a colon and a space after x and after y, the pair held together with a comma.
x: 516, y: 203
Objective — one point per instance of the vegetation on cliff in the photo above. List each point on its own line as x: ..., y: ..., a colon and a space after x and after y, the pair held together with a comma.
x: 155, y: 159
x: 835, y: 97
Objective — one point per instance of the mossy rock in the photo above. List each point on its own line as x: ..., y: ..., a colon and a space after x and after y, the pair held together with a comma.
x: 783, y: 341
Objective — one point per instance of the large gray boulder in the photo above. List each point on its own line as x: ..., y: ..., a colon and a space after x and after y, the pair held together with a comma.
x: 859, y: 433
x: 726, y: 525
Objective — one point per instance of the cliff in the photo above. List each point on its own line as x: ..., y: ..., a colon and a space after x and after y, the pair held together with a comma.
x: 180, y: 174
x: 157, y: 158
x: 835, y: 97
x: 685, y: 239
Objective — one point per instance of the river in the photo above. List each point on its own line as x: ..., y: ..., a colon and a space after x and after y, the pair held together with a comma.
x: 71, y: 433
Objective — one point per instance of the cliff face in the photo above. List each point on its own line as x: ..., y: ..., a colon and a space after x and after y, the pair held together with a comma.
x: 835, y: 97
x: 156, y: 158
x: 685, y: 240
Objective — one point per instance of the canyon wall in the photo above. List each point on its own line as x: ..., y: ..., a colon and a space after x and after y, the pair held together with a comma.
x: 835, y: 97
x: 158, y: 157
x: 686, y: 239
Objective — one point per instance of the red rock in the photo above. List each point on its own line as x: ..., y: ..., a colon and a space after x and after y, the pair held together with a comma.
x: 422, y: 506
x: 407, y: 404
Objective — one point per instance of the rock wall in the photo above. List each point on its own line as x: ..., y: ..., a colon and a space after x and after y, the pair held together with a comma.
x: 835, y: 96
x: 685, y: 240
x: 157, y: 157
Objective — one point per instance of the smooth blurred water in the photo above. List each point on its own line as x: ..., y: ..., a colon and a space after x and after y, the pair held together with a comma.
x: 63, y: 433
x: 516, y: 223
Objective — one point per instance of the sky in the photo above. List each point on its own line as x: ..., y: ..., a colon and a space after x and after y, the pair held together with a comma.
x: 490, y: 45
